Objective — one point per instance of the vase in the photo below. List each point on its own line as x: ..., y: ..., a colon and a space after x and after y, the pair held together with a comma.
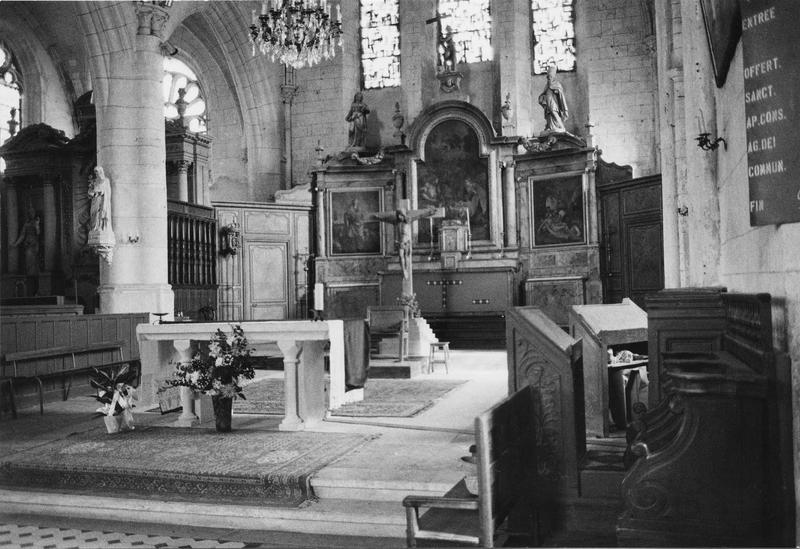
x: 223, y: 407
x: 112, y: 423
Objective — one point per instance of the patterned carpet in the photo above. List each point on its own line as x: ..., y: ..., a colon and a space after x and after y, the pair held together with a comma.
x: 267, y: 468
x: 382, y: 397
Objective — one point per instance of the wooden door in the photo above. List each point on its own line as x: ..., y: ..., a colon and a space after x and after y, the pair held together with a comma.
x: 632, y: 256
x: 266, y: 280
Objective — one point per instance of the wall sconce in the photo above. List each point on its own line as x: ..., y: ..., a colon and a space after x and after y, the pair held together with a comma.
x: 231, y: 239
x: 133, y: 238
x: 683, y: 211
x: 704, y: 142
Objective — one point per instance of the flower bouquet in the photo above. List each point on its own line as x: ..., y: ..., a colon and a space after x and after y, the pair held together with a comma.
x: 217, y: 370
x: 116, y: 394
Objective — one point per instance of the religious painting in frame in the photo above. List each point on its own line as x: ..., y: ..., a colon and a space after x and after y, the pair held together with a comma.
x: 557, y: 211
x: 723, y: 23
x: 351, y: 228
x: 454, y: 176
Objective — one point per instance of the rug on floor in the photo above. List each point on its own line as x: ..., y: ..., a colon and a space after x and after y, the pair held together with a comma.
x: 382, y: 397
x: 243, y: 466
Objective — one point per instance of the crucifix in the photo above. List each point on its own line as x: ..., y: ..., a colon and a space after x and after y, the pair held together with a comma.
x: 402, y: 218
x: 445, y: 45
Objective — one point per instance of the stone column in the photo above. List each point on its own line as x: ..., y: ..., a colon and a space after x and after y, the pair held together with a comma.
x: 291, y: 419
x: 510, y: 200
x: 320, y: 221
x: 288, y: 92
x: 49, y: 226
x: 183, y: 180
x: 131, y: 148
x: 12, y: 226
x: 512, y: 29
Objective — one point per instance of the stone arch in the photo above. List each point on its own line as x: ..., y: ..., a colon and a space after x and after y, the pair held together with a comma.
x: 245, y: 88
x: 450, y: 110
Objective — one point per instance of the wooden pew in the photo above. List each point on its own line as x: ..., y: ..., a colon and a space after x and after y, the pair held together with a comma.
x: 505, y: 451
x: 714, y: 457
x: 36, y: 365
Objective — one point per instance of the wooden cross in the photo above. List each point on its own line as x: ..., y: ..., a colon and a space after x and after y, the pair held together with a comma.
x: 402, y: 218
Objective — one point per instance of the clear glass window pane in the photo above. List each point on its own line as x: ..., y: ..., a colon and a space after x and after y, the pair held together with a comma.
x: 471, y: 23
x: 380, y: 43
x: 553, y: 35
x: 178, y: 75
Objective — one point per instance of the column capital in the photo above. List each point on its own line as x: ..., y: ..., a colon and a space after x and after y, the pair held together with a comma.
x: 289, y: 92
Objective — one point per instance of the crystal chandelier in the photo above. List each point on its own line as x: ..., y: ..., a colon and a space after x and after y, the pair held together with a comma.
x: 298, y: 33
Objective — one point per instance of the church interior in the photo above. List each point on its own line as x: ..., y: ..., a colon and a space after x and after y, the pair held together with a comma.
x: 561, y: 230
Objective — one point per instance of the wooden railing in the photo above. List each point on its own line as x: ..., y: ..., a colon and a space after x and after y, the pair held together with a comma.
x: 192, y: 257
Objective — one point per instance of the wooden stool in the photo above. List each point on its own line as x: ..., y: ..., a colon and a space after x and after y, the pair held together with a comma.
x: 439, y: 346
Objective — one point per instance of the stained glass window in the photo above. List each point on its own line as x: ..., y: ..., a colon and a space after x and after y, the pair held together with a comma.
x: 471, y: 23
x: 380, y: 43
x: 553, y: 35
x: 178, y: 76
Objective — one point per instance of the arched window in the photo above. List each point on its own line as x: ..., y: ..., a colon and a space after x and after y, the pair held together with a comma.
x: 10, y: 96
x: 178, y: 76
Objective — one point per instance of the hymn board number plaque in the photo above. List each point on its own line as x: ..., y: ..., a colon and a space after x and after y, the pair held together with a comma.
x: 771, y: 83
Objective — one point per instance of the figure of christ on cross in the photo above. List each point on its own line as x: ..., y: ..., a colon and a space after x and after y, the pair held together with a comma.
x: 402, y: 218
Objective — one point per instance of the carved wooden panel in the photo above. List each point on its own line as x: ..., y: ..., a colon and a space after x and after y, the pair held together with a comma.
x: 262, y: 222
x: 555, y: 296
x: 351, y: 301
x: 266, y: 280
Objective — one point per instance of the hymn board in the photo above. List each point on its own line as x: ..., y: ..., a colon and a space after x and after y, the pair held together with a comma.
x: 771, y: 80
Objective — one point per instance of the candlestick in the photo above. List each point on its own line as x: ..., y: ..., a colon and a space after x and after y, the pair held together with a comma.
x: 319, y: 293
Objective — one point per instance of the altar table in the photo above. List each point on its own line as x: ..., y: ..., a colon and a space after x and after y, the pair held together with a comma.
x: 301, y: 342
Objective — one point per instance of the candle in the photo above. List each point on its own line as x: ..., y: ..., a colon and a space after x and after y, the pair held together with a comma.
x: 319, y: 293
x: 338, y: 12
x: 253, y: 14
x: 264, y: 7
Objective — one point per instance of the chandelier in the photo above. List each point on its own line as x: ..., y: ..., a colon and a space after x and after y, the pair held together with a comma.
x: 298, y: 33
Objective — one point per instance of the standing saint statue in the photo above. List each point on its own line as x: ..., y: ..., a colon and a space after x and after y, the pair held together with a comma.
x: 357, y: 117
x: 554, y: 103
x: 101, y: 235
x: 100, y: 194
x: 29, y: 238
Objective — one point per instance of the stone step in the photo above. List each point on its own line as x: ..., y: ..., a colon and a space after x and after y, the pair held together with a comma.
x: 339, y: 484
x: 384, y: 367
x: 330, y: 516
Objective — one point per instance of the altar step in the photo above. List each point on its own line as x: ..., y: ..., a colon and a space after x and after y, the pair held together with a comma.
x: 387, y: 367
x: 330, y: 516
x: 471, y: 332
x: 340, y: 485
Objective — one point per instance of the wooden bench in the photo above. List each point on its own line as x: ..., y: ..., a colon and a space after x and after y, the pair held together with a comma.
x: 506, y: 462
x: 17, y: 366
x: 390, y: 321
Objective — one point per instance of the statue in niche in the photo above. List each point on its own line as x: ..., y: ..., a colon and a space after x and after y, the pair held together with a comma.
x: 100, y: 194
x: 447, y: 50
x: 29, y: 238
x: 554, y: 103
x: 357, y: 117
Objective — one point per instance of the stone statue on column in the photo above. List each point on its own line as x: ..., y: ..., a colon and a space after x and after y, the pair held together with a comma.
x: 101, y: 233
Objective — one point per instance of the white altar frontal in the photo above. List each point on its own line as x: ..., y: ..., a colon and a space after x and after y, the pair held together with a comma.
x: 301, y: 342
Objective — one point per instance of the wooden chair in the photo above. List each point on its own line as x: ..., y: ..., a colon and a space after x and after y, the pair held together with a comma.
x: 506, y: 462
x: 390, y: 322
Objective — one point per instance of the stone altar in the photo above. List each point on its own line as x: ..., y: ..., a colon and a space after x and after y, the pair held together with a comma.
x: 300, y: 342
